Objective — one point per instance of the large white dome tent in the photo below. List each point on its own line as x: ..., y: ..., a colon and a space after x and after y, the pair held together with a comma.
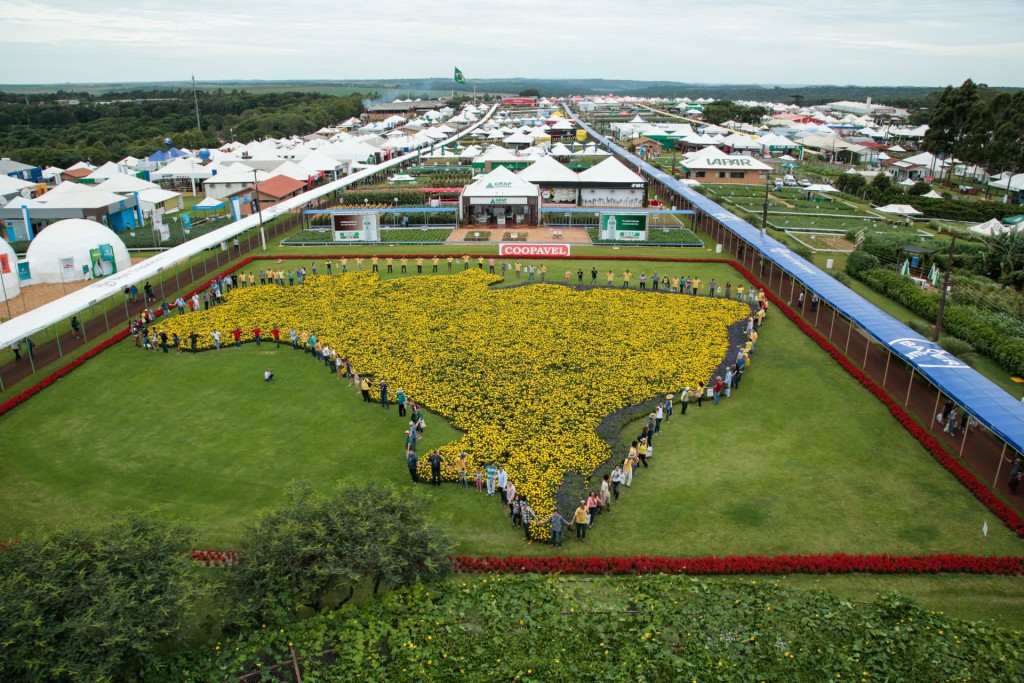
x: 8, y: 272
x: 76, y: 249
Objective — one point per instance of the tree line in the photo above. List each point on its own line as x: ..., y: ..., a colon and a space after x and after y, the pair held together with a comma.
x: 44, y: 130
x: 977, y: 126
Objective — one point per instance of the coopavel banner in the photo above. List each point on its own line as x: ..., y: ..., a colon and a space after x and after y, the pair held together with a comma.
x: 532, y: 250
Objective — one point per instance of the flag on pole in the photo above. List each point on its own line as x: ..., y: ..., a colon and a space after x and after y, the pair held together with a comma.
x: 984, y: 529
x: 459, y: 78
x: 905, y: 267
x: 933, y: 275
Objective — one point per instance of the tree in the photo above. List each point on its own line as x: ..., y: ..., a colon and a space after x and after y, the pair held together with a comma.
x: 529, y: 92
x: 1005, y: 256
x: 315, y: 554
x: 852, y: 183
x: 93, y: 605
x: 948, y: 124
x: 919, y: 188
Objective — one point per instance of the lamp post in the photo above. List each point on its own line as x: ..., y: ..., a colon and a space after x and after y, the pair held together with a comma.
x: 6, y: 300
x: 259, y: 209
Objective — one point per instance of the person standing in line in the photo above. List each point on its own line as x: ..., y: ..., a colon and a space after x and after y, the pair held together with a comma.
x: 478, y: 481
x: 383, y: 386
x: 543, y: 271
x: 528, y: 517
x: 449, y: 261
x: 364, y: 389
x: 558, y: 525
x: 727, y: 382
x: 433, y: 264
x: 419, y: 265
x: 216, y: 339
x: 700, y: 393
x: 492, y: 474
x: 502, y: 483
x: 460, y: 468
x: 712, y: 286
x: 193, y: 341
x: 435, y: 468
x: 237, y: 334
x: 412, y: 461
x: 276, y: 334
x: 400, y: 400
x: 627, y: 467
x: 625, y: 279
x: 616, y: 480
x: 257, y: 334
x: 490, y: 265
x: 728, y: 290
x: 606, y: 493
x: 668, y: 407
x: 580, y: 518
x: 611, y: 278
x: 465, y: 261
x: 76, y: 327
x: 593, y: 505
x: 163, y: 341
x: 659, y: 415
x: 717, y: 388
x: 593, y: 276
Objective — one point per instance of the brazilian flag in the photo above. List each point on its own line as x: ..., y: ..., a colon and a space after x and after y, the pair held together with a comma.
x: 459, y: 78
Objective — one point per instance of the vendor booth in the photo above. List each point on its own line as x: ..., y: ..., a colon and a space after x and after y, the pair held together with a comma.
x: 500, y: 198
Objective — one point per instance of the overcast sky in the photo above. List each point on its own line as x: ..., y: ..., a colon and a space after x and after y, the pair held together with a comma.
x: 869, y: 42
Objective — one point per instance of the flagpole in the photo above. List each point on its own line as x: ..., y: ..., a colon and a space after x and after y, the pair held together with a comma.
x: 195, y: 98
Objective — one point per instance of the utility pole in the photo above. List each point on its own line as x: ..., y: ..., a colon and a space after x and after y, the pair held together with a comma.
x: 764, y: 209
x: 945, y: 289
x: 259, y: 208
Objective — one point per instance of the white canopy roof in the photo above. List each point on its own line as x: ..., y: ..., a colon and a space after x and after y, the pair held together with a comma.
x: 902, y: 209
x: 992, y: 228
x: 105, y: 171
x: 292, y: 170
x: 238, y: 174
x: 184, y: 168
x: 75, y: 196
x: 209, y: 203
x: 518, y: 139
x: 548, y: 170
x: 157, y: 195
x: 318, y: 161
x: 496, y: 154
x: 775, y: 140
x: 10, y: 185
x: 501, y: 182
x: 611, y: 170
x: 820, y: 188
x: 122, y: 184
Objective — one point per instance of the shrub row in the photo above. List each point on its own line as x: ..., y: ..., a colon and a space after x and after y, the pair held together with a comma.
x: 983, y: 330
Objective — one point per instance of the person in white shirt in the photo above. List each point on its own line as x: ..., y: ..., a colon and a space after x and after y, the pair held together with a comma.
x: 268, y: 376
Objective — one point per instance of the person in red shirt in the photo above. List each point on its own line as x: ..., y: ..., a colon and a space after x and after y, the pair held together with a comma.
x: 717, y: 388
x: 237, y: 334
x: 276, y: 333
x: 256, y: 333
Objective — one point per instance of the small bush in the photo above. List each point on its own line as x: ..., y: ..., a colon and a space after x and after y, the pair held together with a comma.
x: 860, y: 261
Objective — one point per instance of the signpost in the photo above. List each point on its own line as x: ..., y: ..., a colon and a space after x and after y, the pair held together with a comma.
x: 628, y: 227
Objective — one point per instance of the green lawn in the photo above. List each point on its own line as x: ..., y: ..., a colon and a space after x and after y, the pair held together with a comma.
x: 801, y: 459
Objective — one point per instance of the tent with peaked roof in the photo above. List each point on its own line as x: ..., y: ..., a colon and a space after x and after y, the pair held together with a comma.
x: 611, y: 183
x: 901, y: 209
x: 557, y: 182
x: 501, y: 197
x: 991, y: 228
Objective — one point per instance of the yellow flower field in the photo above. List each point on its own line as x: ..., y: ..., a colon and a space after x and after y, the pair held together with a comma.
x: 527, y: 373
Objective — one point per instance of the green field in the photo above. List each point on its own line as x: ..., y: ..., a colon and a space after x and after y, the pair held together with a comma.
x: 800, y: 459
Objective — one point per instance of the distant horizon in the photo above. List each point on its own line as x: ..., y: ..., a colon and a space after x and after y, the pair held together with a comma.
x: 872, y: 43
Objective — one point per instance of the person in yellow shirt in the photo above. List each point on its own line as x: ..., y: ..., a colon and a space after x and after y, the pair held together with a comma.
x: 433, y: 262
x: 374, y: 261
x: 627, y: 469
x: 419, y: 264
x: 465, y: 261
x: 675, y: 284
x: 695, y: 286
x: 625, y: 279
x: 582, y: 520
x: 450, y: 260
x: 344, y: 265
x: 389, y: 261
x: 404, y: 263
x: 611, y: 278
x: 543, y: 272
x: 359, y: 263
x: 739, y: 293
x: 480, y: 262
x: 519, y: 269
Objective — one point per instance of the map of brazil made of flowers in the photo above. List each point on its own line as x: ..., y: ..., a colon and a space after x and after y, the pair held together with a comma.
x: 527, y: 373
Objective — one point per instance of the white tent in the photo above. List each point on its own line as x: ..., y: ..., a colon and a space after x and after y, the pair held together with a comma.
x: 501, y: 182
x: 105, y: 171
x: 932, y: 194
x: 209, y: 204
x: 184, y: 168
x: 60, y: 253
x: 901, y: 209
x: 992, y: 228
x: 317, y: 161
x: 9, y: 272
x: 548, y: 170
x: 292, y: 170
x: 820, y: 188
x: 125, y: 184
x: 11, y: 186
x: 611, y: 170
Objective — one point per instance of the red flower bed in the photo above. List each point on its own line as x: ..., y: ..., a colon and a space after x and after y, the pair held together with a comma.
x: 215, y: 558
x: 745, y: 564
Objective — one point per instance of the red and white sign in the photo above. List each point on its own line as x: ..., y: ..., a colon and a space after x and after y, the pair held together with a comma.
x: 532, y: 250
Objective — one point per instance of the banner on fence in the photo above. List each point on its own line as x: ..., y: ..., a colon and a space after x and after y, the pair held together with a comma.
x: 624, y: 226
x: 509, y: 249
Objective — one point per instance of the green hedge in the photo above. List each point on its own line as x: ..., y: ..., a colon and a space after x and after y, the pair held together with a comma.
x: 993, y: 334
x: 655, y: 235
x: 415, y: 235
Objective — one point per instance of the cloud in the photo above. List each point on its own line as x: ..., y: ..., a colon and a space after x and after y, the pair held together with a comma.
x: 783, y: 41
